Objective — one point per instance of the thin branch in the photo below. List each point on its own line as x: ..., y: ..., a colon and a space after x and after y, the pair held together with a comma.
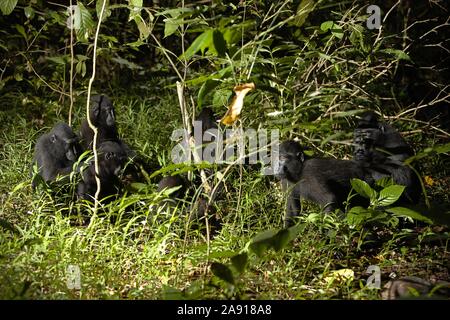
x: 91, y: 125
x: 71, y: 72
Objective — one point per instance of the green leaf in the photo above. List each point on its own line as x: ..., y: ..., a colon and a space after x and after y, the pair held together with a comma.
x: 363, y: 189
x: 399, y: 54
x: 136, y: 3
x: 444, y: 148
x: 239, y: 262
x: 327, y: 25
x: 384, y: 182
x: 221, y: 97
x: 232, y: 35
x: 135, y: 9
x: 144, y: 29
x: 304, y: 9
x: 177, y: 12
x: 219, y: 254
x: 29, y: 12
x: 281, y: 239
x: 406, y: 212
x: 7, y: 6
x: 85, y: 21
x: 273, y: 239
x: 21, y: 30
x: 358, y: 215
x: 170, y: 293
x: 124, y: 62
x: 219, y: 43
x: 202, y: 42
x: 222, y: 271
x: 356, y: 35
x: 335, y: 29
x: 262, y: 242
x: 98, y: 8
x: 170, y: 26
x: 206, y: 88
x: 390, y: 194
x: 19, y: 186
x: 58, y: 60
x: 138, y: 186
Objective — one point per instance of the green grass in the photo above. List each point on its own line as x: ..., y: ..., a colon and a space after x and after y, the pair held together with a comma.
x: 131, y: 250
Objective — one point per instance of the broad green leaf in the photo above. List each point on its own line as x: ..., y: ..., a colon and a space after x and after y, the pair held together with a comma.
x: 170, y: 26
x: 363, y: 189
x: 358, y: 215
x: 406, y: 212
x: 303, y: 10
x: 239, y: 262
x: 390, y: 194
x: 219, y: 43
x: 281, y: 239
x: 384, y: 182
x: 98, y: 8
x: 206, y: 88
x: 223, y: 272
x: 144, y: 29
x: 81, y: 57
x: 200, y: 43
x: 262, y: 242
x: 221, y: 97
x: 85, y: 22
x: 7, y: 6
x: 232, y: 35
x: 273, y: 239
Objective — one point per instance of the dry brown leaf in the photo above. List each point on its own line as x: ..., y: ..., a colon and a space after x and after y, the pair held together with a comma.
x: 235, y: 107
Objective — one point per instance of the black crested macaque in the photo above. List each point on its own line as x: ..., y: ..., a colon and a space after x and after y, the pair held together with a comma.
x: 112, y: 158
x: 381, y: 150
x: 170, y: 182
x: 324, y: 181
x: 206, y: 135
x: 102, y: 115
x: 376, y: 141
x: 207, y: 118
x: 56, y: 152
